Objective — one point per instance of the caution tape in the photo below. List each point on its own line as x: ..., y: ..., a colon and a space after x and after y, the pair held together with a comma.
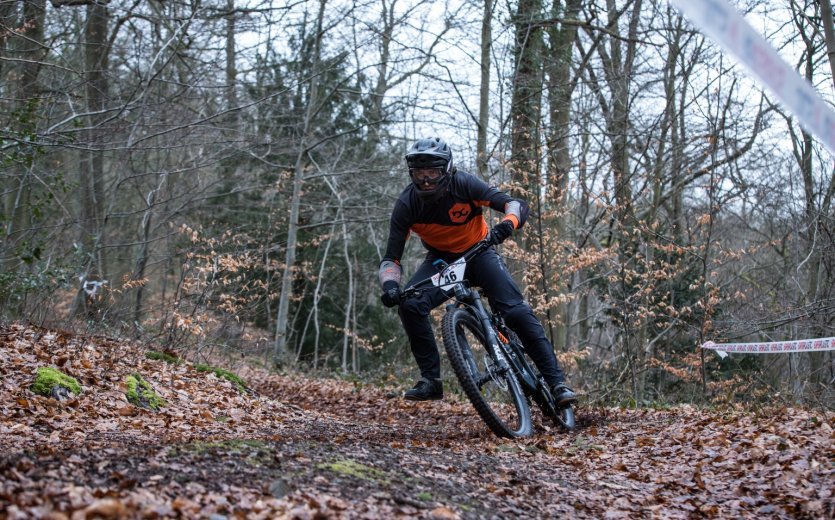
x: 722, y: 23
x: 772, y: 347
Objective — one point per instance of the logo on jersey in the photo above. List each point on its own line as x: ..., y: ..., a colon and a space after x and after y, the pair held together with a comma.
x: 459, y: 212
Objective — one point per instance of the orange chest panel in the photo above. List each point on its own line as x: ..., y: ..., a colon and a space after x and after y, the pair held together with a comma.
x: 455, y: 239
x: 453, y: 227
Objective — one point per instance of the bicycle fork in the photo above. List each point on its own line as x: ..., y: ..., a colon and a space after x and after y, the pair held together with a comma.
x: 491, y: 337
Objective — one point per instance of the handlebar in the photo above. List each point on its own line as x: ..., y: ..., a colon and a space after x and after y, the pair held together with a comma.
x: 469, y: 254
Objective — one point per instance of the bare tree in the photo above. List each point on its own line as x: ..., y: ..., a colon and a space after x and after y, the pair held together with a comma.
x: 280, y: 350
x: 25, y: 54
x: 818, y: 189
x: 561, y: 35
x: 484, y: 90
x: 526, y: 99
x: 91, y: 181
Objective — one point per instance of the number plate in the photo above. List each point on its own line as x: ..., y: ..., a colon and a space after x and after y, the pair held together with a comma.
x: 454, y: 273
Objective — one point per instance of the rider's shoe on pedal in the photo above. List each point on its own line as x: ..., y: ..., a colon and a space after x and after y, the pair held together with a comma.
x: 426, y: 390
x: 563, y: 395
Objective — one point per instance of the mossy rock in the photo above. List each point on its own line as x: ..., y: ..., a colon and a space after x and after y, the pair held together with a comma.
x: 51, y: 382
x: 225, y: 374
x: 141, y: 393
x: 163, y: 356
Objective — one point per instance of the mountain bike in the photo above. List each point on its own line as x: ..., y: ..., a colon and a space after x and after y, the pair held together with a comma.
x: 487, y: 357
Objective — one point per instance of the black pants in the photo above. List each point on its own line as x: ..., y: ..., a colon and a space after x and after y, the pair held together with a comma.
x: 489, y: 272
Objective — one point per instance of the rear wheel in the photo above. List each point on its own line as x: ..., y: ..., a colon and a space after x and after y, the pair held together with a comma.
x: 564, y: 417
x: 485, y: 376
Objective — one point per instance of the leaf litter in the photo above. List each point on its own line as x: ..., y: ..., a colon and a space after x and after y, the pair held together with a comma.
x: 299, y: 447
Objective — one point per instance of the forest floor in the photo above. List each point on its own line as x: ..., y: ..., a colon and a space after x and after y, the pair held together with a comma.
x: 297, y: 447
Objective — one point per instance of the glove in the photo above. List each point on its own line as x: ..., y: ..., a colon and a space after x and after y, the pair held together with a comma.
x: 391, y: 294
x: 500, y: 232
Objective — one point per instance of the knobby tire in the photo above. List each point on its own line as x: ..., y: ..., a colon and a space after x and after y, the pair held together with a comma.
x: 456, y: 323
x: 564, y: 417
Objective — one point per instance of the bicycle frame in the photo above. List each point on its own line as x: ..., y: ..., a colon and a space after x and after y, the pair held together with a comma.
x: 523, y: 370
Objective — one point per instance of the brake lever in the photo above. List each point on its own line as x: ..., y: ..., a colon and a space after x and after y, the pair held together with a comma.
x: 409, y: 292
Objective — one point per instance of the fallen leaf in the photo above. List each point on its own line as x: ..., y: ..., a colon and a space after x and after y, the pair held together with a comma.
x: 106, y: 508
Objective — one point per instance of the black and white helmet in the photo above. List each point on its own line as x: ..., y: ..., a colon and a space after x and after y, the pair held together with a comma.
x: 430, y: 153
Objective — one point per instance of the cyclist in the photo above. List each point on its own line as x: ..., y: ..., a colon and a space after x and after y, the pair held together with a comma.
x: 443, y: 207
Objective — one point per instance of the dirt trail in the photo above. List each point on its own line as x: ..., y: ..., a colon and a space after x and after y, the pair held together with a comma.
x: 304, y: 448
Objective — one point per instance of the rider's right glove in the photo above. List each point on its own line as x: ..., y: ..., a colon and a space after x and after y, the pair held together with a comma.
x: 391, y: 294
x: 500, y: 232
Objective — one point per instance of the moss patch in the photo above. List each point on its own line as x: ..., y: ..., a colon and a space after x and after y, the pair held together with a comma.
x: 141, y: 393
x: 353, y: 468
x: 252, y: 452
x: 230, y: 445
x: 225, y: 374
x: 47, y: 378
x: 163, y: 356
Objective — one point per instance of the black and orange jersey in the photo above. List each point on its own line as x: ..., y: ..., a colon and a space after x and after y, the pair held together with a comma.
x: 451, y: 225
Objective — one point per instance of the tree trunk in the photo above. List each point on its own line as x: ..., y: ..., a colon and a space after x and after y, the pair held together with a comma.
x: 484, y: 91
x: 560, y: 90
x: 280, y: 353
x: 231, y: 69
x: 829, y: 34
x: 317, y: 296
x: 349, y: 299
x: 619, y: 78
x: 138, y: 274
x: 526, y: 101
x: 618, y: 63
x: 817, y: 197
x: 91, y: 170
x: 375, y: 103
x: 25, y: 44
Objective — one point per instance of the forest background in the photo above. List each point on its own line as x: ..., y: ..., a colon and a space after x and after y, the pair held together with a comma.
x: 217, y: 176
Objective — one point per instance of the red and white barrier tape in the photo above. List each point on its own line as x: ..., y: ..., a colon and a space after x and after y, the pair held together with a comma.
x: 772, y: 347
x: 724, y: 25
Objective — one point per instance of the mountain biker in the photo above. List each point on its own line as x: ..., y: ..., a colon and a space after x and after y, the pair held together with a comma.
x: 443, y: 207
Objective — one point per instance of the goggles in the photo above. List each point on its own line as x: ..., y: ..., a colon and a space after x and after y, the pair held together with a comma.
x: 426, y: 176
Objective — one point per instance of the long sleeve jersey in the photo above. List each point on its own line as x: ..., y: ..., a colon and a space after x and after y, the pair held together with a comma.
x: 449, y: 226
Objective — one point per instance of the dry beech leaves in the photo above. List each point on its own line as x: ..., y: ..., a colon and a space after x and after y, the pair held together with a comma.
x: 313, y: 448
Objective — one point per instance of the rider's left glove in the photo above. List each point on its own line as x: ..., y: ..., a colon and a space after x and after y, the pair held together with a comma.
x: 391, y: 294
x: 501, y: 231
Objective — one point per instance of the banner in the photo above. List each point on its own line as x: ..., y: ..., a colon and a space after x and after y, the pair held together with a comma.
x: 723, y: 24
x: 772, y: 347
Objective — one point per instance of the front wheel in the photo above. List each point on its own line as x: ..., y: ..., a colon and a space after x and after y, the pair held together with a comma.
x: 485, y: 376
